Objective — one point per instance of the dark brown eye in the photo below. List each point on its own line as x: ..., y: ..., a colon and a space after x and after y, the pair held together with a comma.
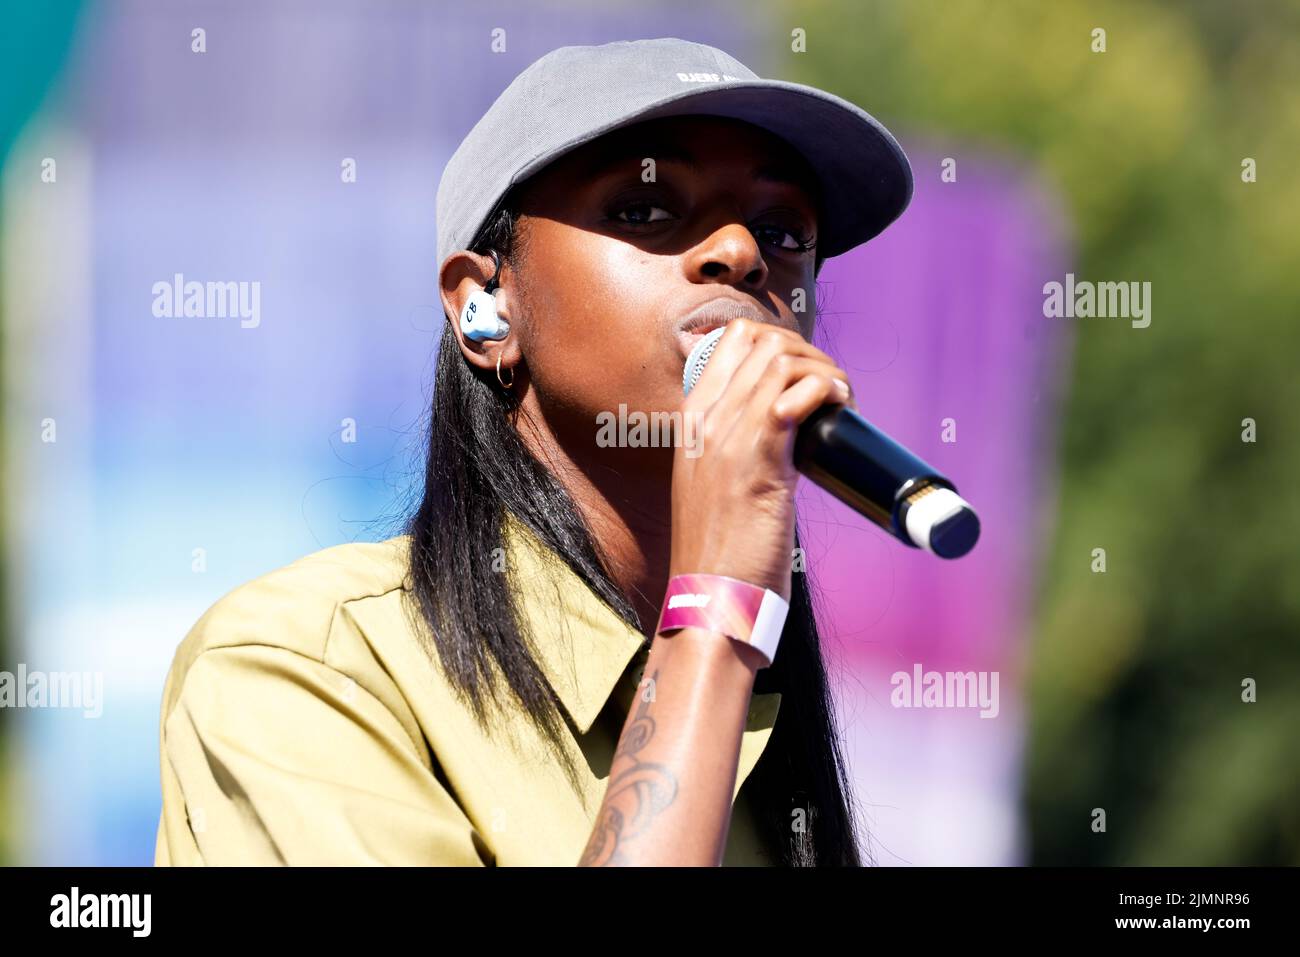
x: 785, y: 238
x: 642, y: 208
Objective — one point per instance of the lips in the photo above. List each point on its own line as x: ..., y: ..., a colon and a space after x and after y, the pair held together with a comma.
x: 693, y: 326
x: 686, y: 340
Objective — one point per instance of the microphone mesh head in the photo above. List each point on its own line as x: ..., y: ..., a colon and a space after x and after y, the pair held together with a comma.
x: 699, y: 356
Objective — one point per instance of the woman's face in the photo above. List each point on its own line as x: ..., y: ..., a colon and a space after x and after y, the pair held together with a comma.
x: 631, y: 234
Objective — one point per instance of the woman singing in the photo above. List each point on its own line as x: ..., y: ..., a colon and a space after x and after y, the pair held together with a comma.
x: 572, y: 655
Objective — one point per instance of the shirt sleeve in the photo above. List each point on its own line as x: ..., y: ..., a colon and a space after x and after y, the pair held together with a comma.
x: 272, y: 757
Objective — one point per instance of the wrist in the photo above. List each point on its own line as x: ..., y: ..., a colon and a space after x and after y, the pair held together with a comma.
x: 708, y: 652
x: 746, y: 613
x: 775, y: 577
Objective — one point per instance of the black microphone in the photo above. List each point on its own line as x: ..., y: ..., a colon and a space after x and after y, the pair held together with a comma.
x: 867, y: 470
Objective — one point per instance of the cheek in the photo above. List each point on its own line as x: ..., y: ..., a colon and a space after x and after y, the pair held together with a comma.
x: 597, y: 319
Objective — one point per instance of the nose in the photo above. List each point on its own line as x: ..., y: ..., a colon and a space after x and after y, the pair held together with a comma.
x: 727, y: 253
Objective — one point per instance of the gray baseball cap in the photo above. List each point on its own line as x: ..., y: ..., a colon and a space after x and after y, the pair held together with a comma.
x: 576, y: 94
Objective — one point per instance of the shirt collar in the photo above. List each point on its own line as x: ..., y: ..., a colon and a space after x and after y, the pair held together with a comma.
x: 581, y: 644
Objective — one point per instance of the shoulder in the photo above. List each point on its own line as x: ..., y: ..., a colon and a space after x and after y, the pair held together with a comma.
x: 286, y: 738
x: 295, y: 607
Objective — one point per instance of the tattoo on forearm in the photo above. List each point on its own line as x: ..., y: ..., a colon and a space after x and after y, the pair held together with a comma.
x: 637, y: 793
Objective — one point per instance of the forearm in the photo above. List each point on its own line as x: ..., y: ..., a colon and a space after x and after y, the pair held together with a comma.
x: 669, y: 797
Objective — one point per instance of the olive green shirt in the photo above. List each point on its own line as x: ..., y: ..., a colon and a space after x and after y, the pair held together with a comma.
x: 304, y: 721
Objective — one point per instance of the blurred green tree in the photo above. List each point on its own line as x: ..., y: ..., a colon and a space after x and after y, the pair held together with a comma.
x: 1135, y: 686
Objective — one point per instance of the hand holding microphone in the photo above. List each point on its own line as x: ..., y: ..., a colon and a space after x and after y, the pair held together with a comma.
x: 733, y: 506
x: 843, y: 453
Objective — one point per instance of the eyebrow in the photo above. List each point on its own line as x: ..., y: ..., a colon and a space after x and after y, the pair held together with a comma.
x: 778, y: 172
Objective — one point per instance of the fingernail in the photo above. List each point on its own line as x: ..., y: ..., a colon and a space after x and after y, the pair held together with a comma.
x: 843, y: 387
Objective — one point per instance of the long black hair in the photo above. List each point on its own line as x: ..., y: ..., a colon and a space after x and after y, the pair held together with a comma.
x: 476, y: 469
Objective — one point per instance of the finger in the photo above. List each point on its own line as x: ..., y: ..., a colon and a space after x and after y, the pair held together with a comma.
x: 748, y: 419
x: 770, y: 423
x: 764, y: 375
x: 775, y: 352
x: 796, y: 403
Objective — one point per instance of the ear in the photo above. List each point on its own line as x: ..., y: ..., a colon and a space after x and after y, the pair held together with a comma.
x: 462, y: 274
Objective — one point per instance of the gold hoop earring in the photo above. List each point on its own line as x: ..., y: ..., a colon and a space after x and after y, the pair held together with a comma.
x: 504, y: 385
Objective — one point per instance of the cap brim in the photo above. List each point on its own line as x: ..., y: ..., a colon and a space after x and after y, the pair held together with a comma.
x: 865, y: 176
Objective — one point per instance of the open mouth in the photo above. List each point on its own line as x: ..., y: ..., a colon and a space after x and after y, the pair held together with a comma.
x: 687, y: 338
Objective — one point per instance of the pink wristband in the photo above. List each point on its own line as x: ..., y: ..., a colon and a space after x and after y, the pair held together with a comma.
x: 737, y: 609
